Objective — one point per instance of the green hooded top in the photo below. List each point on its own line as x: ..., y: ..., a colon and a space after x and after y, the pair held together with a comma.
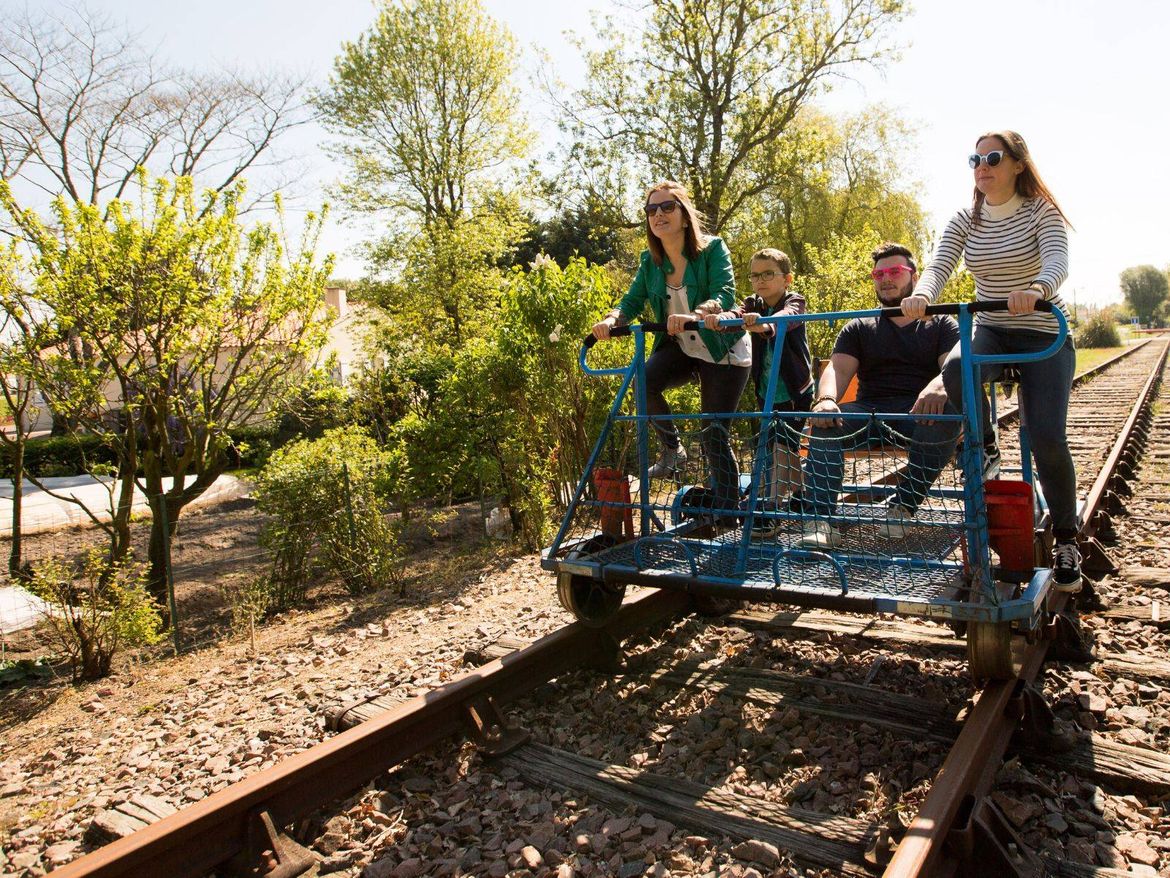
x: 707, y: 277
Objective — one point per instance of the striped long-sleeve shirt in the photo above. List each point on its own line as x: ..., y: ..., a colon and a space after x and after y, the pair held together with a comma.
x: 1017, y: 243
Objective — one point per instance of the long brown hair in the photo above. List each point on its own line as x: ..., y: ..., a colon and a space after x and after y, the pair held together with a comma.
x: 694, y: 238
x: 1028, y: 182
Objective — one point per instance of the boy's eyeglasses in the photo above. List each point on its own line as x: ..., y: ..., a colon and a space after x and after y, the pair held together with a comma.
x: 992, y: 159
x: 763, y: 275
x: 664, y: 206
x: 892, y: 272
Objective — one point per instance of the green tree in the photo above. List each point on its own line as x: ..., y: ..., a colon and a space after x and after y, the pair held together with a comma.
x: 1145, y: 289
x: 832, y: 176
x: 188, y: 325
x: 839, y: 280
x: 704, y: 89
x: 425, y: 112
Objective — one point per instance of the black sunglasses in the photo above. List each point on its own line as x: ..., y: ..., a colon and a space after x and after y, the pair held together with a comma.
x: 992, y: 159
x: 664, y: 206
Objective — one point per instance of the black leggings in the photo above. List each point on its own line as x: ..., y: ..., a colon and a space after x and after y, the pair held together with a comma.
x: 720, y: 388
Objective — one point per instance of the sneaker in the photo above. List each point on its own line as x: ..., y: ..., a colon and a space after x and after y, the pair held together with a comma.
x: 894, y: 526
x: 1066, y: 567
x: 669, y: 462
x: 763, y: 528
x: 819, y: 534
x: 991, y: 462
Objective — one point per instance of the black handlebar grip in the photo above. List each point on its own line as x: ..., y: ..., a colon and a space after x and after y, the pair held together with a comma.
x: 973, y: 307
x: 619, y: 331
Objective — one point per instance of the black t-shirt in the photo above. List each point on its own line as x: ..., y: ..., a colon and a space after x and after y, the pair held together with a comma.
x: 895, y: 361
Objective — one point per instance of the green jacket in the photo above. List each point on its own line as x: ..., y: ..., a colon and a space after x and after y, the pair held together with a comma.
x: 707, y: 276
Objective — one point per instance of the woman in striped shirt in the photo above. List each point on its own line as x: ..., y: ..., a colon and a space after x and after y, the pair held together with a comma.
x: 1013, y: 239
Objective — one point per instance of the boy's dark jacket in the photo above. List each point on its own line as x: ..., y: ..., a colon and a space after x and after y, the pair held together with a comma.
x: 795, y: 359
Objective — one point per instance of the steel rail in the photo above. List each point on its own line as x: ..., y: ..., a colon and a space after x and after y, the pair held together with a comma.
x: 971, y: 765
x: 223, y: 826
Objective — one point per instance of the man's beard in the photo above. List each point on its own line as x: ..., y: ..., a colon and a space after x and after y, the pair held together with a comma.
x: 899, y: 295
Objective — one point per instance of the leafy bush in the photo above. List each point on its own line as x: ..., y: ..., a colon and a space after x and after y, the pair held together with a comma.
x: 1099, y: 331
x: 839, y: 281
x: 327, y: 499
x: 522, y: 412
x: 96, y: 611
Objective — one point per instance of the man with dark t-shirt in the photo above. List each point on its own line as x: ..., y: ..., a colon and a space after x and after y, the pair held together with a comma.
x: 898, y: 363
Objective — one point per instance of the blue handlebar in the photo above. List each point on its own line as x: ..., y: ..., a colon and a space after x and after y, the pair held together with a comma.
x: 640, y: 329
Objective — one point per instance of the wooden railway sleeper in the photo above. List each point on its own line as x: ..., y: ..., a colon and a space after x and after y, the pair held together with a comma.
x: 270, y: 853
x: 984, y: 843
x: 489, y: 730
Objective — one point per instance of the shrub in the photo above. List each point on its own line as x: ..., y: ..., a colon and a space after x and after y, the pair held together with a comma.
x: 79, y: 453
x: 248, y: 601
x: 96, y: 610
x: 327, y: 499
x: 48, y: 456
x: 1099, y: 331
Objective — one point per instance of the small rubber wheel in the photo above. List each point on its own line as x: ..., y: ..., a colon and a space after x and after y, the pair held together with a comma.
x: 993, y: 652
x: 593, y: 603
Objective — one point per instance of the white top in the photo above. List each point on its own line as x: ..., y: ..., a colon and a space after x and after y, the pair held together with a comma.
x: 1016, y: 244
x: 740, y: 353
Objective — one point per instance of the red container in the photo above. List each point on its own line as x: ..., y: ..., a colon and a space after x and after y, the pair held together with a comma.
x: 613, y: 487
x: 1010, y: 523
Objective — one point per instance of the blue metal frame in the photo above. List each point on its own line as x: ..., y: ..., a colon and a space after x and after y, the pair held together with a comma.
x: 991, y: 607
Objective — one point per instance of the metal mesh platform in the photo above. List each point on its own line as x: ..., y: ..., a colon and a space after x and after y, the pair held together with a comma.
x: 925, y: 564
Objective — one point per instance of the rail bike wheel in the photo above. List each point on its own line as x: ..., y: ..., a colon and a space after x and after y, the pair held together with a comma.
x: 593, y: 603
x: 993, y: 652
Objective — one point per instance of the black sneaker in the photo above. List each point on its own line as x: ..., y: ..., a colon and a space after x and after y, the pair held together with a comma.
x: 762, y: 527
x: 1066, y: 567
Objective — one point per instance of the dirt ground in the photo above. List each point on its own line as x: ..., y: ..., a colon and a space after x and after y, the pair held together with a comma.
x: 218, y: 546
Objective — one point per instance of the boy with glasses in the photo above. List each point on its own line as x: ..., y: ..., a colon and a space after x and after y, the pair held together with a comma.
x: 770, y: 274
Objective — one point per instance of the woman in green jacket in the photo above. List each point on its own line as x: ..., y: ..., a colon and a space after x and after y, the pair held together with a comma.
x: 686, y: 275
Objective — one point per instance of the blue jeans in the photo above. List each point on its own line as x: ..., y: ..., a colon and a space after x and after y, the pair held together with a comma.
x: 1045, y: 387
x: 931, y: 446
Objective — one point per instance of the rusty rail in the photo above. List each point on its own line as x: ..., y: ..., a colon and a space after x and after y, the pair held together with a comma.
x: 231, y: 823
x: 969, y: 769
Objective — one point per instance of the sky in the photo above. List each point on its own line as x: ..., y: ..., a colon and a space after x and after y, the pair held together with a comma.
x: 1084, y: 82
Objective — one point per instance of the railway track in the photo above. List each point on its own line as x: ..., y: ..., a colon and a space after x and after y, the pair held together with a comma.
x: 801, y: 736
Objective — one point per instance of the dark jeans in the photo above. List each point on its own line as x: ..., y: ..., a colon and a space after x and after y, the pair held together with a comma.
x: 1045, y: 387
x: 931, y: 446
x: 720, y: 388
x: 785, y: 432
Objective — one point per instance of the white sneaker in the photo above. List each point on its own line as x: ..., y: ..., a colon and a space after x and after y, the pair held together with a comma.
x: 820, y: 535
x: 894, y: 527
x: 991, y: 462
x: 669, y: 462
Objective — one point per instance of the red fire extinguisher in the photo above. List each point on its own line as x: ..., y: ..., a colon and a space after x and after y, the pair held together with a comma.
x: 613, y: 488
